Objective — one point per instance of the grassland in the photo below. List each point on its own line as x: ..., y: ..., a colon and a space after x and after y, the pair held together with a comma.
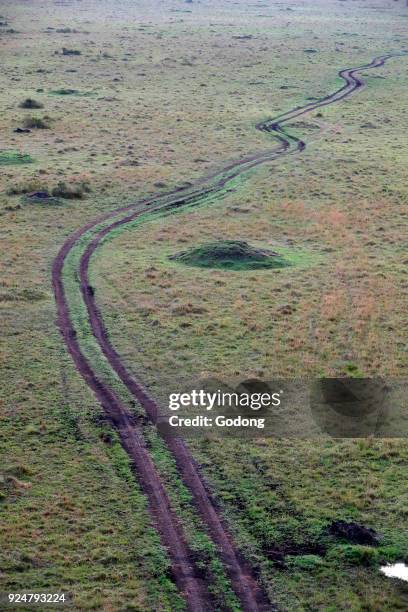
x: 161, y: 94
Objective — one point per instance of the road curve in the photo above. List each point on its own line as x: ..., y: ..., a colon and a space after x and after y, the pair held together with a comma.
x: 251, y: 596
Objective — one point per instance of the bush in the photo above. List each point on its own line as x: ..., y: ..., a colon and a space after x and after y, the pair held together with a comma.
x: 37, y: 123
x: 30, y: 103
x: 22, y: 188
x: 76, y: 191
x: 70, y: 51
x: 40, y: 192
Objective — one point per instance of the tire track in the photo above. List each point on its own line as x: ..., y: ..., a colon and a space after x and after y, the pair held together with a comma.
x: 251, y: 596
x: 164, y: 519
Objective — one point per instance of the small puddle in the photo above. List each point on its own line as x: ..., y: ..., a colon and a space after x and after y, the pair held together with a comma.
x: 396, y: 570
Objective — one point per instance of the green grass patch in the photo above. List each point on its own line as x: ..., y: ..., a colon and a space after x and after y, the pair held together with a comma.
x: 13, y: 158
x: 65, y: 92
x: 230, y: 255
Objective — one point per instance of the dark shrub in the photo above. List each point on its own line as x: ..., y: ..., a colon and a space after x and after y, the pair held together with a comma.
x: 30, y: 103
x: 66, y: 51
x: 76, y: 191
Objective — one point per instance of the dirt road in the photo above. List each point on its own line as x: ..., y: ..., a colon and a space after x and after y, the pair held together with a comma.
x: 192, y: 586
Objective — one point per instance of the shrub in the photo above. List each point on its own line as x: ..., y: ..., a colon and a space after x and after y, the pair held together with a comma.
x: 30, y: 103
x: 37, y: 123
x: 22, y: 188
x: 66, y: 51
x: 39, y: 192
x: 76, y: 191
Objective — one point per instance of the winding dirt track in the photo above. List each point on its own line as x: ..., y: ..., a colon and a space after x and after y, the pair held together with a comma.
x: 192, y: 587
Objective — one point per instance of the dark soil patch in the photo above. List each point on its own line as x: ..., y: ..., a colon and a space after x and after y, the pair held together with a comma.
x: 285, y: 553
x: 353, y: 532
x: 42, y: 197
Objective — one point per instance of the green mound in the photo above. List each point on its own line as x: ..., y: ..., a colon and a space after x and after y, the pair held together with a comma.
x: 65, y: 92
x: 69, y: 92
x: 230, y: 255
x: 12, y: 158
